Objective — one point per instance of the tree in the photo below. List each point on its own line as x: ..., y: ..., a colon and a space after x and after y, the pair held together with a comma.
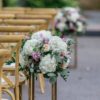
x: 50, y: 3
x: 10, y: 3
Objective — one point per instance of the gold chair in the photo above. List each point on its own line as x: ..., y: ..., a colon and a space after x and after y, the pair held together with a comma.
x: 23, y: 30
x: 11, y: 81
x: 4, y: 55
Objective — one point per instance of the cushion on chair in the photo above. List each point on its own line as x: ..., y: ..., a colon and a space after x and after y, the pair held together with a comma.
x: 10, y: 67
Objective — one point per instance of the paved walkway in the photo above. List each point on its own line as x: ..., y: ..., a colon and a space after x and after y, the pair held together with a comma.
x: 93, y: 20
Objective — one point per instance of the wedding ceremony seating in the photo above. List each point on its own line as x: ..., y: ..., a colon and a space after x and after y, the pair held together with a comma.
x: 17, y: 21
x: 4, y: 54
x: 24, y: 30
x: 47, y: 14
x: 35, y: 24
x: 15, y: 80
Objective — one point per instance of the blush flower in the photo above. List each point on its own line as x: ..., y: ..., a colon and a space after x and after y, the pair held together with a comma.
x: 46, y: 47
x: 36, y: 56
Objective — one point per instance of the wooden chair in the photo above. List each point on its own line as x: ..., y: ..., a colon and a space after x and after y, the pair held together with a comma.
x: 39, y: 23
x: 31, y: 12
x: 7, y: 16
x: 22, y: 30
x: 4, y: 54
x: 11, y: 81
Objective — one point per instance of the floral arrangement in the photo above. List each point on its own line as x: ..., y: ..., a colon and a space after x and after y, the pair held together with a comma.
x: 46, y: 54
x: 69, y: 20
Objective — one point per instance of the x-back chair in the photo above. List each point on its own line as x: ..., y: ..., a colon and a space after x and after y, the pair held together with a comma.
x: 25, y: 31
x: 11, y: 81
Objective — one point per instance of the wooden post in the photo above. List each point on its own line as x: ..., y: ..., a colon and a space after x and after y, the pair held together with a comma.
x: 54, y: 91
x: 75, y: 50
x: 0, y: 84
x: 31, y: 88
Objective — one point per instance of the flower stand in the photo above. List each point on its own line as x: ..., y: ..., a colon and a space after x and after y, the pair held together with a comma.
x: 32, y: 89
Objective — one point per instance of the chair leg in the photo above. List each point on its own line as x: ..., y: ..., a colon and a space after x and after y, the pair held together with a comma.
x: 75, y: 51
x: 17, y: 93
x: 42, y: 83
x: 20, y: 92
x: 31, y: 88
x: 10, y: 94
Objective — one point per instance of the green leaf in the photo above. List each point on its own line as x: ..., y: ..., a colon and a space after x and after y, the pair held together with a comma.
x: 51, y: 75
x: 53, y: 80
x: 64, y: 74
x: 31, y: 70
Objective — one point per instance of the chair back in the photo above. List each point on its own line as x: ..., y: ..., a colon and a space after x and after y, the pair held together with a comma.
x: 6, y: 54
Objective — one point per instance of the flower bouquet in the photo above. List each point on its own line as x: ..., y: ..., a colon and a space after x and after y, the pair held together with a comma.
x: 69, y: 21
x: 46, y: 54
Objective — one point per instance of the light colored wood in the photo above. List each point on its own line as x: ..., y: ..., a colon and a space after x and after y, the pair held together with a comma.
x: 37, y: 24
x: 27, y: 16
x: 11, y: 39
x: 6, y: 16
x: 24, y: 22
x: 14, y: 8
x: 41, y: 11
x: 43, y: 26
x: 42, y: 82
x: 4, y: 55
x: 11, y: 12
x: 17, y: 29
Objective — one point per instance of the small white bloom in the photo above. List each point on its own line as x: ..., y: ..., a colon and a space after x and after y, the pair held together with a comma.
x: 61, y: 26
x: 23, y: 60
x: 40, y: 35
x: 57, y: 44
x: 58, y: 16
x: 46, y: 47
x: 48, y: 64
x: 80, y: 27
x: 30, y: 45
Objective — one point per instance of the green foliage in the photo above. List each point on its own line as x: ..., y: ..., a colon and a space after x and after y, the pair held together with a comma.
x: 41, y: 3
x: 50, y: 3
x: 64, y: 74
x: 10, y: 3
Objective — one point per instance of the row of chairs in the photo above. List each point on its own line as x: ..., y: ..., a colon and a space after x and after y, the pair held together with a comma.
x: 23, y: 26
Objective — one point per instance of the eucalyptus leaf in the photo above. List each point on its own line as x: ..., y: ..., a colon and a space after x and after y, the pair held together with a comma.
x: 51, y: 75
x: 53, y: 79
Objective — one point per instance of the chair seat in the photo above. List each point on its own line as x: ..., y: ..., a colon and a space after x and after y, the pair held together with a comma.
x: 10, y: 67
x: 13, y: 80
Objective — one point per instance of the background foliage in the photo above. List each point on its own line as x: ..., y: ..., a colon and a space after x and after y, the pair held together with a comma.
x: 10, y: 3
x: 41, y: 3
